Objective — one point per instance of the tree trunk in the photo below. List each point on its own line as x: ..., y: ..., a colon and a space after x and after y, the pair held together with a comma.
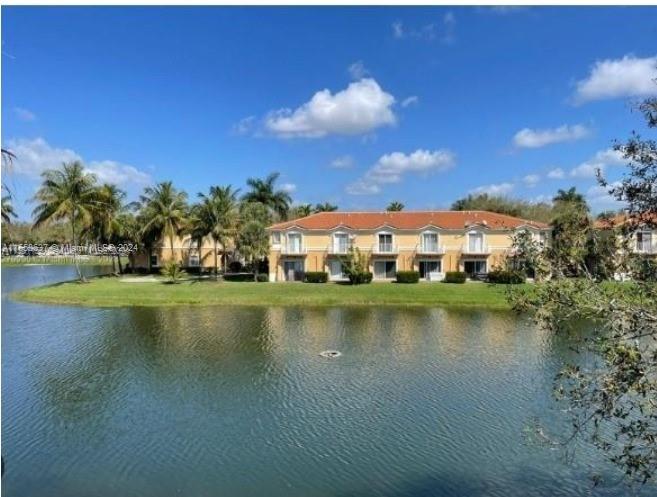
x: 216, y: 267
x: 150, y: 259
x: 173, y: 254
x: 75, y: 259
x: 118, y: 259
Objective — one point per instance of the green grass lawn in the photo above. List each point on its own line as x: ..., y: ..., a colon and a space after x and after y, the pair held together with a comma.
x: 112, y: 292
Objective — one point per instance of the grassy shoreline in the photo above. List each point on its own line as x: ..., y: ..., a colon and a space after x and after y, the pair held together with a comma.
x: 113, y: 292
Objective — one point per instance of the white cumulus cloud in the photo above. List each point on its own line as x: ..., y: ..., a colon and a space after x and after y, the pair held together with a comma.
x: 615, y: 78
x: 390, y: 168
x: 412, y: 100
x: 343, y: 162
x: 362, y: 107
x: 599, y: 199
x: 531, y: 180
x: 357, y: 70
x: 536, y: 138
x: 556, y: 173
x: 289, y: 187
x: 36, y: 155
x: 494, y: 189
x: 24, y: 114
x: 600, y: 160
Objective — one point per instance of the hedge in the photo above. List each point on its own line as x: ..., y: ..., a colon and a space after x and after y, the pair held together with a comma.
x: 315, y: 277
x: 239, y: 277
x: 454, y: 277
x: 408, y: 276
x: 360, y: 278
x: 506, y: 277
x: 262, y: 278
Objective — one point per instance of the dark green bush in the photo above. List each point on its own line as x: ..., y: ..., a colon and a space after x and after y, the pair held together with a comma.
x: 408, y: 276
x: 315, y: 277
x: 235, y: 267
x: 262, y: 278
x: 239, y: 277
x: 360, y: 278
x: 454, y: 277
x: 506, y: 277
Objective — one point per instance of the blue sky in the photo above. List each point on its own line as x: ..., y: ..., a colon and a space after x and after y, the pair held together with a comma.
x: 357, y: 106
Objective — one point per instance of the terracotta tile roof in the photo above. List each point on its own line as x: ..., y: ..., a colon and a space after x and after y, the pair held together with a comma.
x: 621, y: 219
x: 407, y: 220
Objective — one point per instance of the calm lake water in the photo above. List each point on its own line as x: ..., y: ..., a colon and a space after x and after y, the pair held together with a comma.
x: 237, y: 402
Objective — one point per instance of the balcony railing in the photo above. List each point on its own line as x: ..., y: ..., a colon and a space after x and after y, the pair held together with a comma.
x: 430, y: 249
x: 645, y: 248
x: 293, y: 249
x: 475, y: 249
x: 339, y: 249
x: 384, y: 248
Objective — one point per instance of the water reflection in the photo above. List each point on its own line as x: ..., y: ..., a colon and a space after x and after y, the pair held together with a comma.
x: 237, y: 401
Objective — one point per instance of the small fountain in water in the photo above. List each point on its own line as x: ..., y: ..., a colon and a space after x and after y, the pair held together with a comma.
x: 330, y: 354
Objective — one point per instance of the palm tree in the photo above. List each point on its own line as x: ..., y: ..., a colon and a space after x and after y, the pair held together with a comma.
x: 326, y: 207
x: 395, y: 207
x: 68, y: 194
x: 163, y: 212
x: 263, y: 191
x: 7, y: 209
x: 216, y: 215
x: 107, y: 221
x: 301, y: 210
x: 570, y: 196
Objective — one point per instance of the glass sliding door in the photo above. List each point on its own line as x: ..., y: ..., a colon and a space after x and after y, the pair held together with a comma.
x: 430, y: 270
x: 340, y: 243
x: 385, y: 270
x: 385, y: 242
x: 475, y: 243
x: 429, y: 243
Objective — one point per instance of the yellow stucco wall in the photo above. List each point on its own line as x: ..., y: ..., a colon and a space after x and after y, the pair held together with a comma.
x: 181, y: 253
x: 316, y: 245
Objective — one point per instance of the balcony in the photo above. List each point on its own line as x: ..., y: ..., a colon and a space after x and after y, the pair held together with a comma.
x: 384, y: 249
x: 475, y: 249
x: 645, y: 248
x: 338, y: 249
x: 293, y: 249
x: 431, y: 249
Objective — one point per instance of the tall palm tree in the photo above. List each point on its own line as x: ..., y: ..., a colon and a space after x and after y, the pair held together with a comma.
x: 163, y: 212
x: 263, y: 191
x: 302, y: 210
x: 395, y: 207
x: 107, y: 222
x: 67, y: 194
x: 217, y: 216
x: 571, y: 196
x: 326, y: 207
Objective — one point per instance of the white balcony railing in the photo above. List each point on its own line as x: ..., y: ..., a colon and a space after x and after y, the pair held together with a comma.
x: 338, y: 249
x: 477, y: 249
x: 384, y: 248
x: 293, y: 249
x: 430, y: 249
x: 645, y: 248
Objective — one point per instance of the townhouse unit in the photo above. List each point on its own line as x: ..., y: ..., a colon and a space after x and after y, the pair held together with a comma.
x: 431, y: 242
x: 187, y: 252
x: 642, y: 237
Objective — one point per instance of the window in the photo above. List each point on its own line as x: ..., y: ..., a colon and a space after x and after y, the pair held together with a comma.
x: 340, y: 243
x: 385, y: 242
x: 153, y: 260
x: 275, y: 237
x: 194, y: 260
x: 385, y: 270
x: 474, y: 267
x: 643, y: 241
x: 294, y: 243
x: 430, y: 269
x: 430, y: 242
x: 475, y: 242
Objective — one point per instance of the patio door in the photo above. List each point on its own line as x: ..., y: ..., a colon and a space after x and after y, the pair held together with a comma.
x: 474, y: 267
x: 430, y: 270
x: 336, y: 272
x: 293, y: 270
x: 385, y: 270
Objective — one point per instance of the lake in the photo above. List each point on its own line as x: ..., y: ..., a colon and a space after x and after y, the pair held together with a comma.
x: 203, y: 401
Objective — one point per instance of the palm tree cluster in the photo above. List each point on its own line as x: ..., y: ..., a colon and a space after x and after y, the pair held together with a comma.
x: 99, y: 213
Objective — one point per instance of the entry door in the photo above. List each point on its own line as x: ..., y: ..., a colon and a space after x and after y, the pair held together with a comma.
x: 474, y: 267
x: 430, y: 270
x: 293, y: 270
x: 336, y: 270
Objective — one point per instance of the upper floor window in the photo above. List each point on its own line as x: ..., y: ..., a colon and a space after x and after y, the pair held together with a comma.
x: 340, y: 243
x: 430, y: 242
x: 475, y: 241
x: 276, y: 237
x: 644, y: 241
x: 385, y: 242
x: 294, y: 242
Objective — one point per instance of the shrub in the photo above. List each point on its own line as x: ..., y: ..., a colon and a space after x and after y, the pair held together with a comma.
x: 360, y: 278
x: 454, y: 277
x: 315, y: 277
x: 262, y: 278
x: 506, y: 276
x: 172, y: 271
x: 235, y: 267
x: 408, y: 276
x: 239, y: 277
